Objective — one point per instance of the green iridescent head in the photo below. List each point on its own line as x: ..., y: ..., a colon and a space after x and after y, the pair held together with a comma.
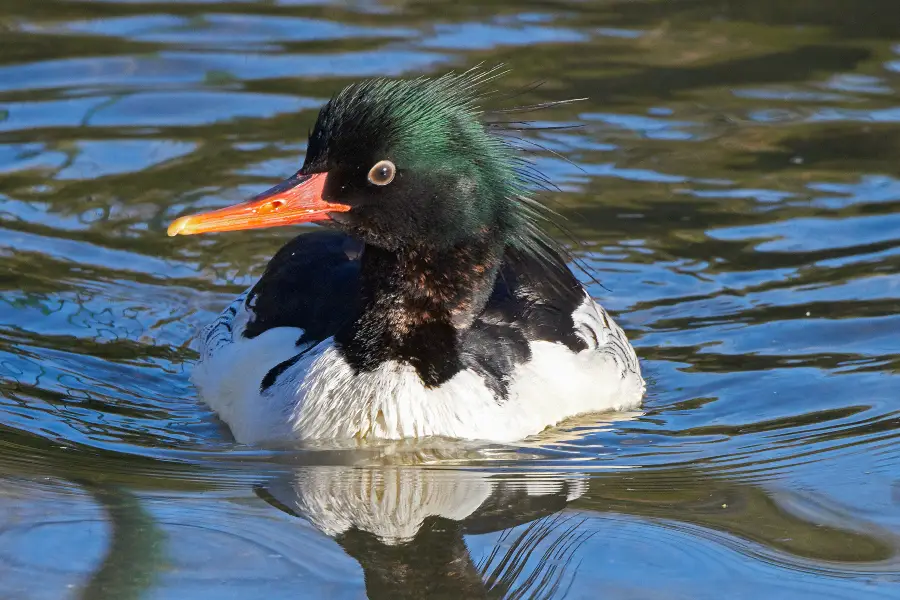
x: 416, y: 164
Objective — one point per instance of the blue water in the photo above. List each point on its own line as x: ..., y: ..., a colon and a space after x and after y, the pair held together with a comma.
x: 734, y: 179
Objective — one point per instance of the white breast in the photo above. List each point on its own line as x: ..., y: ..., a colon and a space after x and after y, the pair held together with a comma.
x: 321, y: 397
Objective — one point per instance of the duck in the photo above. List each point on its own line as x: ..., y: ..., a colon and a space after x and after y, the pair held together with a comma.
x: 430, y: 301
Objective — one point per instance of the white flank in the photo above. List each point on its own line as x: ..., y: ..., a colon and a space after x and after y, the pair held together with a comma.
x: 321, y: 397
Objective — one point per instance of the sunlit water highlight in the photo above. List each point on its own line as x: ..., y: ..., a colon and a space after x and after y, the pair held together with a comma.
x: 734, y: 181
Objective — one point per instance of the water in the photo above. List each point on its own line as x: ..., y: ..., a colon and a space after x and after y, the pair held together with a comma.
x: 735, y: 183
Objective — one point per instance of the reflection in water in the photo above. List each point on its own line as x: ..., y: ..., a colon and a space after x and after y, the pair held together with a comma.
x: 135, y: 550
x: 405, y: 526
x: 415, y: 530
x: 733, y: 175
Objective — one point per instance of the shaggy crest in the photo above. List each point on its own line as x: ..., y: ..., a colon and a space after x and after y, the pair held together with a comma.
x: 438, y: 124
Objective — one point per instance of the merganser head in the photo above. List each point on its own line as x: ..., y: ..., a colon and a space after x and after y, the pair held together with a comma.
x: 396, y: 163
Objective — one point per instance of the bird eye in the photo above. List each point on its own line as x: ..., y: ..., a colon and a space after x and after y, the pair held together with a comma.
x: 382, y: 173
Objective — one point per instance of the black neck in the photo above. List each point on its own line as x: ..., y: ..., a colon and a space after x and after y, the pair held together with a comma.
x: 414, y: 303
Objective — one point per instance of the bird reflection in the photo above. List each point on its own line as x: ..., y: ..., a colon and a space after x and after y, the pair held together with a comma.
x: 406, y: 527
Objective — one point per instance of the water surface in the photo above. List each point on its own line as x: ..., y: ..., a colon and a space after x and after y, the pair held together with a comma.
x: 733, y: 178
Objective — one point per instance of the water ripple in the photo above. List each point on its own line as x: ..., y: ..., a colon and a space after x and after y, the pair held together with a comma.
x: 732, y: 174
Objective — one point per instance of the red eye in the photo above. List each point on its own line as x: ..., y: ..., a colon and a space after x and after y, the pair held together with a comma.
x: 382, y: 173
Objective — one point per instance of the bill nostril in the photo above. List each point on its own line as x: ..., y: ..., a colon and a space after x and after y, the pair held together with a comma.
x: 270, y: 207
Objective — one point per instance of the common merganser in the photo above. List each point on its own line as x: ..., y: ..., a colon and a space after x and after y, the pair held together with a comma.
x: 433, y: 305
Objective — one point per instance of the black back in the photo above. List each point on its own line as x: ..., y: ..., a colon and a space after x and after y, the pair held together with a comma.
x: 313, y: 283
